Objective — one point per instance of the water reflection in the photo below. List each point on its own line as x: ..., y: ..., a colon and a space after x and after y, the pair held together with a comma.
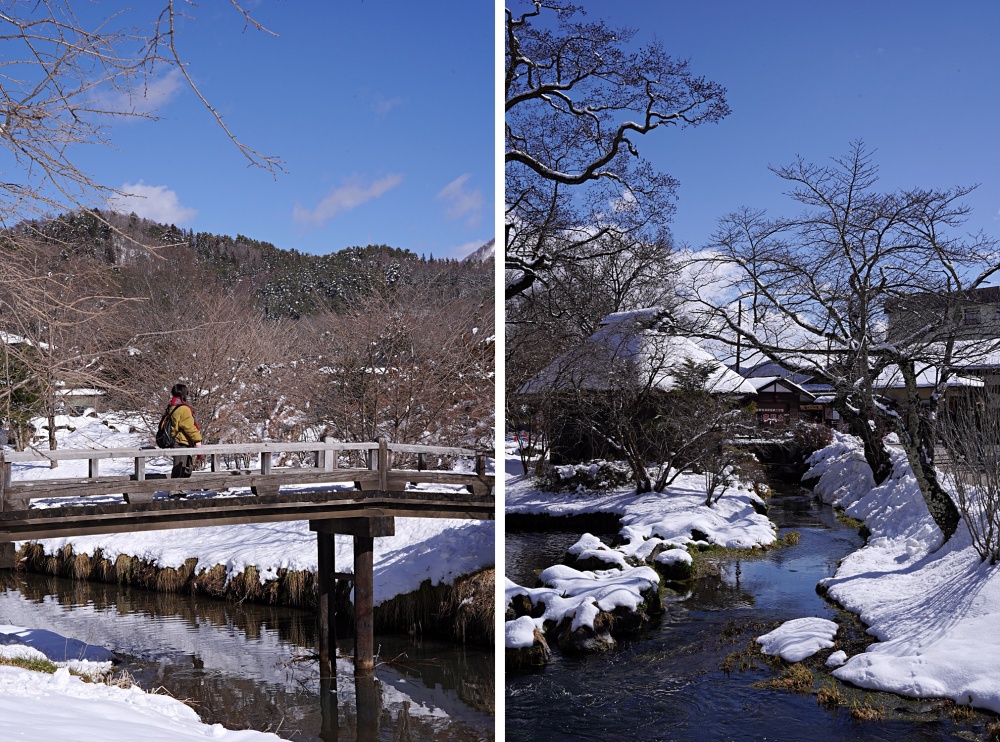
x: 252, y: 666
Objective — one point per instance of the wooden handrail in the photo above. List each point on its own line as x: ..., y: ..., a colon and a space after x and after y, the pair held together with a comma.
x: 151, y: 452
x: 263, y: 478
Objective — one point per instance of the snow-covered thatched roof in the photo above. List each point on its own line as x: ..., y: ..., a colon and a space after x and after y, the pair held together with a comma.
x: 636, y: 345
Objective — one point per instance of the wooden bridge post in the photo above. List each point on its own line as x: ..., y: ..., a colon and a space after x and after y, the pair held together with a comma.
x: 368, y: 699
x: 326, y: 620
x: 364, y: 530
x: 8, y: 555
x: 364, y: 593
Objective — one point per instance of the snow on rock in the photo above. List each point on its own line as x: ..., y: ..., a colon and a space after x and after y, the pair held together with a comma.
x: 799, y: 638
x: 837, y: 658
x: 591, y: 547
x: 580, y: 596
x: 609, y: 588
x: 519, y: 633
x: 674, y: 556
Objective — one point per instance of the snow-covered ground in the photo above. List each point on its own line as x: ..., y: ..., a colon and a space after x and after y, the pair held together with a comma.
x: 45, y: 706
x: 658, y: 522
x: 932, y: 607
x: 40, y: 706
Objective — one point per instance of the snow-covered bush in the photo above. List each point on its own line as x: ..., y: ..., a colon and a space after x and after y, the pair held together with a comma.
x: 593, y: 475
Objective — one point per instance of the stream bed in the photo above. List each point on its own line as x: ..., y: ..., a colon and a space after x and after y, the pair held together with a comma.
x: 252, y: 666
x: 667, y: 683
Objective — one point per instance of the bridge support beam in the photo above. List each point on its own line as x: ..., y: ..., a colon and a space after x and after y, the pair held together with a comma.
x: 364, y: 531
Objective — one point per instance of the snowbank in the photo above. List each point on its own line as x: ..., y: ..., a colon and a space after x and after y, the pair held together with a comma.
x: 42, y: 706
x: 932, y: 607
x: 799, y: 638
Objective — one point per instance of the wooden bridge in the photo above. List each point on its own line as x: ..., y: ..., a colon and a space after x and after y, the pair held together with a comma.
x: 356, y: 489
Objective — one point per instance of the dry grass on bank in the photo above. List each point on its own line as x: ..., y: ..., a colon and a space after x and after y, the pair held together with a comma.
x: 462, y: 611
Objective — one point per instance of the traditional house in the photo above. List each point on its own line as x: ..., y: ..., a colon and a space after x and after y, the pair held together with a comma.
x: 631, y: 352
x: 784, y: 397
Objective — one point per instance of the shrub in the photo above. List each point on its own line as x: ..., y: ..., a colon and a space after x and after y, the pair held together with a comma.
x: 810, y: 437
x: 594, y: 475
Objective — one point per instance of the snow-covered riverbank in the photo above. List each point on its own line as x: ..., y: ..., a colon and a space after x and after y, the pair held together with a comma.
x: 933, y: 608
x: 41, y: 706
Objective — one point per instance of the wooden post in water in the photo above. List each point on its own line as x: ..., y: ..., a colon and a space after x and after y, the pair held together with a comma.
x: 364, y: 531
x: 8, y: 555
x: 326, y: 620
x: 364, y: 594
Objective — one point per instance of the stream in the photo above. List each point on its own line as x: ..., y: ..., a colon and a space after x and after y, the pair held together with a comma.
x: 667, y: 683
x: 252, y: 666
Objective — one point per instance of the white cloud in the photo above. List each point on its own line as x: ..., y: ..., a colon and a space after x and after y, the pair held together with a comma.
x: 462, y: 251
x: 158, y: 203
x: 384, y: 105
x: 158, y: 92
x: 461, y: 202
x: 349, y: 196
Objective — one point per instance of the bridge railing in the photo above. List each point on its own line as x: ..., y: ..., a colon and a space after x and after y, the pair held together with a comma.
x: 371, y: 466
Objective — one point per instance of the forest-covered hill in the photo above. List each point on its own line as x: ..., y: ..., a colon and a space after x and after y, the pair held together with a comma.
x: 285, y: 282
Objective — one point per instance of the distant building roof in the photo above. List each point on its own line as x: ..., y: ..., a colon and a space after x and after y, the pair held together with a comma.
x: 927, y: 376
x: 642, y: 342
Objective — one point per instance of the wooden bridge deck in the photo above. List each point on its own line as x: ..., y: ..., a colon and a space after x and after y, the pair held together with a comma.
x: 321, y: 489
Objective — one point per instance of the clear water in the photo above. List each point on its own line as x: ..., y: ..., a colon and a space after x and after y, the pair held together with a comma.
x: 252, y: 666
x: 667, y: 683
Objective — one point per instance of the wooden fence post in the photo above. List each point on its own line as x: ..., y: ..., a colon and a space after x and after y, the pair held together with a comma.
x: 383, y: 464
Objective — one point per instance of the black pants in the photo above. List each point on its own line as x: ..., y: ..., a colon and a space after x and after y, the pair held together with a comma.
x: 183, y: 466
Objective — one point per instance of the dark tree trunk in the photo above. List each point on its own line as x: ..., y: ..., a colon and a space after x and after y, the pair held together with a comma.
x: 876, y: 455
x: 918, y: 437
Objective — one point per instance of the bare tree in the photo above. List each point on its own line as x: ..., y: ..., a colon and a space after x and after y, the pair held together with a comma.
x: 635, y: 391
x: 66, y: 78
x: 408, y: 364
x: 577, y: 100
x: 971, y: 436
x: 816, y: 293
x: 184, y: 326
x: 52, y: 314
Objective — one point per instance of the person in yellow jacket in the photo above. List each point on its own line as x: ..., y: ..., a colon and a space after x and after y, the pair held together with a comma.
x: 185, y: 430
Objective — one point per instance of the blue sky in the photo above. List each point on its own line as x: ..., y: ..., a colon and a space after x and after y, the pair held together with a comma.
x: 918, y: 82
x: 382, y: 112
